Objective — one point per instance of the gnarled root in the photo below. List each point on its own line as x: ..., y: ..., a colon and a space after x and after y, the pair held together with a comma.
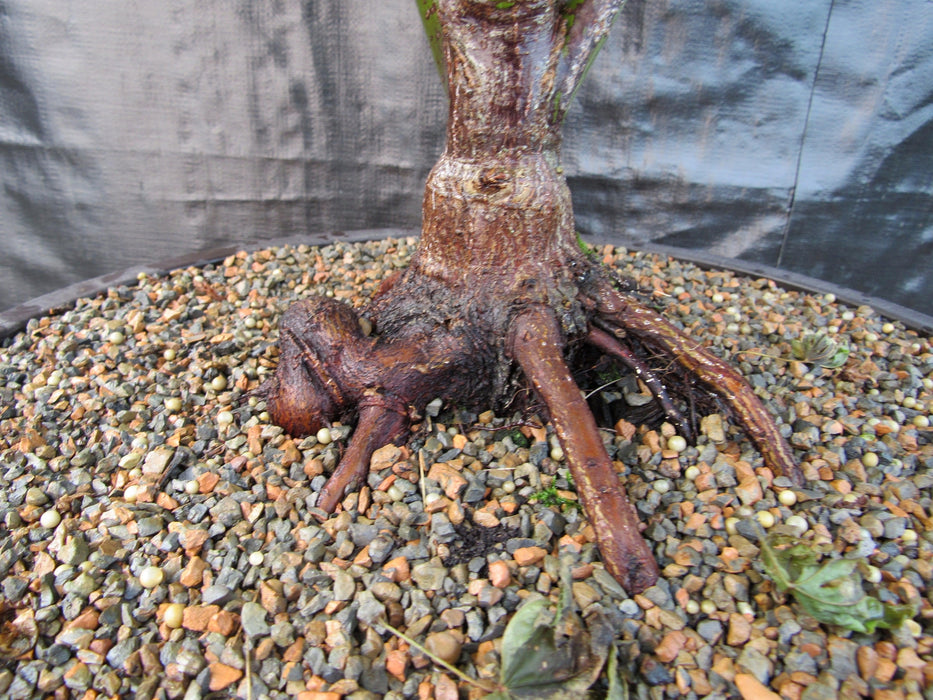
x: 330, y: 369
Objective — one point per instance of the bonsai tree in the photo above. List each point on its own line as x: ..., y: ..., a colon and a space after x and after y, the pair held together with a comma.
x: 499, y: 295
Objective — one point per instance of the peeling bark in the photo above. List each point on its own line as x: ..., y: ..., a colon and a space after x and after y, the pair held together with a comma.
x: 498, y: 291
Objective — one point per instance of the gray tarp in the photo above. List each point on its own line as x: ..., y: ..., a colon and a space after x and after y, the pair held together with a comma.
x: 796, y: 133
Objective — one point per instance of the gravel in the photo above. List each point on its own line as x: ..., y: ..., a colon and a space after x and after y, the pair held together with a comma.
x: 129, y: 445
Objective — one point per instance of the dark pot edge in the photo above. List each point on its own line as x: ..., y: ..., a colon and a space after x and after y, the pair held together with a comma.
x: 15, y: 318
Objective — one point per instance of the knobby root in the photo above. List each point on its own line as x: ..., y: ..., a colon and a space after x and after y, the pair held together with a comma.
x: 329, y: 370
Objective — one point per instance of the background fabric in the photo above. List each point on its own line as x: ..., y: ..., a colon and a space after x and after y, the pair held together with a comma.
x: 797, y: 134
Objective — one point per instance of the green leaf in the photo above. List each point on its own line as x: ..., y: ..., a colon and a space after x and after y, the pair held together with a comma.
x: 585, y: 247
x: 831, y: 592
x: 432, y: 28
x: 618, y: 686
x: 832, y: 575
x: 838, y: 359
x: 819, y: 349
x: 517, y: 636
x: 551, y: 656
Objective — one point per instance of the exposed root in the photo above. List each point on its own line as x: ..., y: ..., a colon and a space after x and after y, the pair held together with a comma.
x: 537, y: 346
x: 377, y: 426
x: 498, y: 279
x: 329, y: 369
x: 612, y: 347
x: 628, y: 316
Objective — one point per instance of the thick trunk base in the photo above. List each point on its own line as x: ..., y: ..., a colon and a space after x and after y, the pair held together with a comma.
x: 499, y: 293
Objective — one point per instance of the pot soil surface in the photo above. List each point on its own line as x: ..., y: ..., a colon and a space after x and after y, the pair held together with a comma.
x: 160, y: 535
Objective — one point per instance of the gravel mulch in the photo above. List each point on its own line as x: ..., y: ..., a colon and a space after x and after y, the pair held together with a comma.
x: 159, y: 536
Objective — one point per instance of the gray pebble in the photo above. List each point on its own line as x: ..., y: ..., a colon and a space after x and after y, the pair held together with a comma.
x: 216, y: 594
x: 344, y: 585
x: 78, y: 678
x: 842, y: 657
x: 819, y: 691
x: 475, y: 625
x: 227, y: 512
x: 894, y: 527
x: 253, y: 617
x: 429, y: 575
x: 375, y: 680
x: 282, y: 634
x: 36, y: 497
x: 788, y: 630
x: 147, y: 527
x: 386, y: 590
x: 756, y: 663
x: 14, y: 587
x: 381, y: 548
x: 800, y: 661
x: 370, y: 609
x: 659, y: 594
x: 710, y: 630
x: 75, y: 551
x: 121, y: 651
x: 363, y: 533
x: 474, y: 492
x: 442, y: 529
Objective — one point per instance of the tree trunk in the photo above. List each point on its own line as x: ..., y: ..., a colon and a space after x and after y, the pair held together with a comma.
x: 498, y: 291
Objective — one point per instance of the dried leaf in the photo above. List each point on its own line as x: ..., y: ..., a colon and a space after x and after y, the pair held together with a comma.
x: 553, y: 654
x: 18, y: 632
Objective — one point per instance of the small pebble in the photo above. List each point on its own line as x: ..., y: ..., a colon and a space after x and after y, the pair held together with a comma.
x: 151, y: 576
x: 50, y: 519
x: 174, y: 615
x: 676, y: 443
x: 765, y: 518
x: 798, y: 524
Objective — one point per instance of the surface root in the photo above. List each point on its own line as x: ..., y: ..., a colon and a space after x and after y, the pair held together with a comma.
x: 329, y: 369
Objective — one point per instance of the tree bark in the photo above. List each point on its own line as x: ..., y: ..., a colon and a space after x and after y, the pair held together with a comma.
x: 498, y: 291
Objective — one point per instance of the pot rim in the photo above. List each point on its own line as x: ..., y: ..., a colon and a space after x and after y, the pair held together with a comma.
x: 16, y: 318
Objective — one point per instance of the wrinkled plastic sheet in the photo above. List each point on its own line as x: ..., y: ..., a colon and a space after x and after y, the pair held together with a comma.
x: 796, y: 134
